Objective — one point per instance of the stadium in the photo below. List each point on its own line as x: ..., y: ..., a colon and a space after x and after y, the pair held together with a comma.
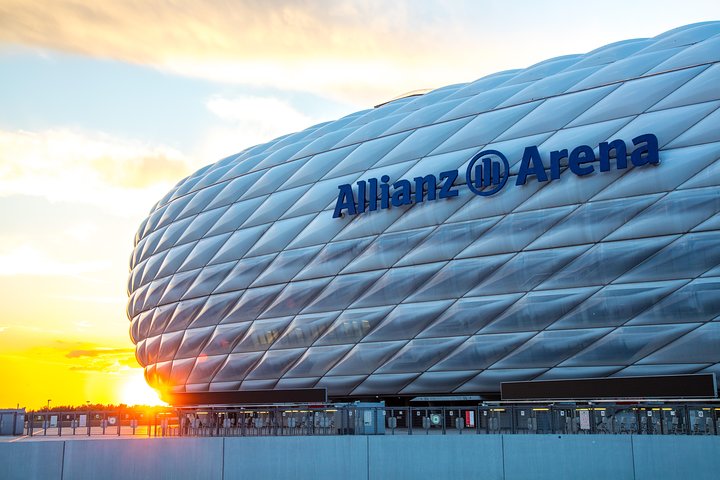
x: 556, y: 222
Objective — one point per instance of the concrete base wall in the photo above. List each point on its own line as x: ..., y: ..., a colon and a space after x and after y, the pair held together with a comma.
x: 22, y: 460
x: 506, y: 457
x: 568, y: 456
x: 467, y: 456
x: 159, y: 458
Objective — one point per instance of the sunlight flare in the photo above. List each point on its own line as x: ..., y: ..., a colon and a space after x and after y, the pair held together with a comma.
x: 135, y: 391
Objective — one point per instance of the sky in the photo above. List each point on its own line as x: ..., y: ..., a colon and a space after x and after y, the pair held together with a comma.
x: 105, y: 105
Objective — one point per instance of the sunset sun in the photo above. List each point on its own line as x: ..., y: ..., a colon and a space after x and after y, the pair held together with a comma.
x: 135, y: 391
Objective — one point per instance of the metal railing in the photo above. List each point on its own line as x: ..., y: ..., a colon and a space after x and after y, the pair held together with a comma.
x: 643, y: 419
x: 353, y: 419
x: 94, y: 423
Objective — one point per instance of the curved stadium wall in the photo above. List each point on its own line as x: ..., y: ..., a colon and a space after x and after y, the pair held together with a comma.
x: 257, y: 272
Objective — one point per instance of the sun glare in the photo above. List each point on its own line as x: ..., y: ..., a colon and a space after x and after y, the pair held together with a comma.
x: 136, y: 391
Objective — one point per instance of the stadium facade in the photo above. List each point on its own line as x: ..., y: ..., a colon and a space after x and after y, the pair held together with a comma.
x: 555, y: 222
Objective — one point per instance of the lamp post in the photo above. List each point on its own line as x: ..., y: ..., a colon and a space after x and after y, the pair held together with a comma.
x: 48, y: 404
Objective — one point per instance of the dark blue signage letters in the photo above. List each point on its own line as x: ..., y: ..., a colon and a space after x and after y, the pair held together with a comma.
x: 488, y: 172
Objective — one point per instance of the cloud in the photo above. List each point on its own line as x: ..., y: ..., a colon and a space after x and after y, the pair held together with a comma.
x: 111, y: 300
x: 117, y: 161
x: 27, y: 260
x: 124, y: 176
x: 79, y: 356
x: 248, y: 120
x: 100, y: 359
x: 364, y: 51
x: 269, y: 112
x: 97, y: 352
x: 359, y: 50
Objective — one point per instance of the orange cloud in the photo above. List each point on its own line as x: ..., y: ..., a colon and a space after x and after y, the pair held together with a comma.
x: 97, y: 352
x: 102, y: 359
x: 123, y: 175
x: 361, y: 50
x: 140, y: 171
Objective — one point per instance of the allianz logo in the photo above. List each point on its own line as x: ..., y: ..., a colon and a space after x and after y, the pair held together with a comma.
x: 489, y: 171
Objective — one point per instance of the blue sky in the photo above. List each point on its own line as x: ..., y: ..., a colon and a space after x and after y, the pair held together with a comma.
x: 105, y: 105
x: 46, y: 89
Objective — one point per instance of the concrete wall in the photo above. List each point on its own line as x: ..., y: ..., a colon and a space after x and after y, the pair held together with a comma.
x: 507, y: 457
x: 158, y: 458
x: 568, y: 456
x: 694, y: 459
x: 337, y: 458
x: 24, y: 460
x: 435, y: 456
